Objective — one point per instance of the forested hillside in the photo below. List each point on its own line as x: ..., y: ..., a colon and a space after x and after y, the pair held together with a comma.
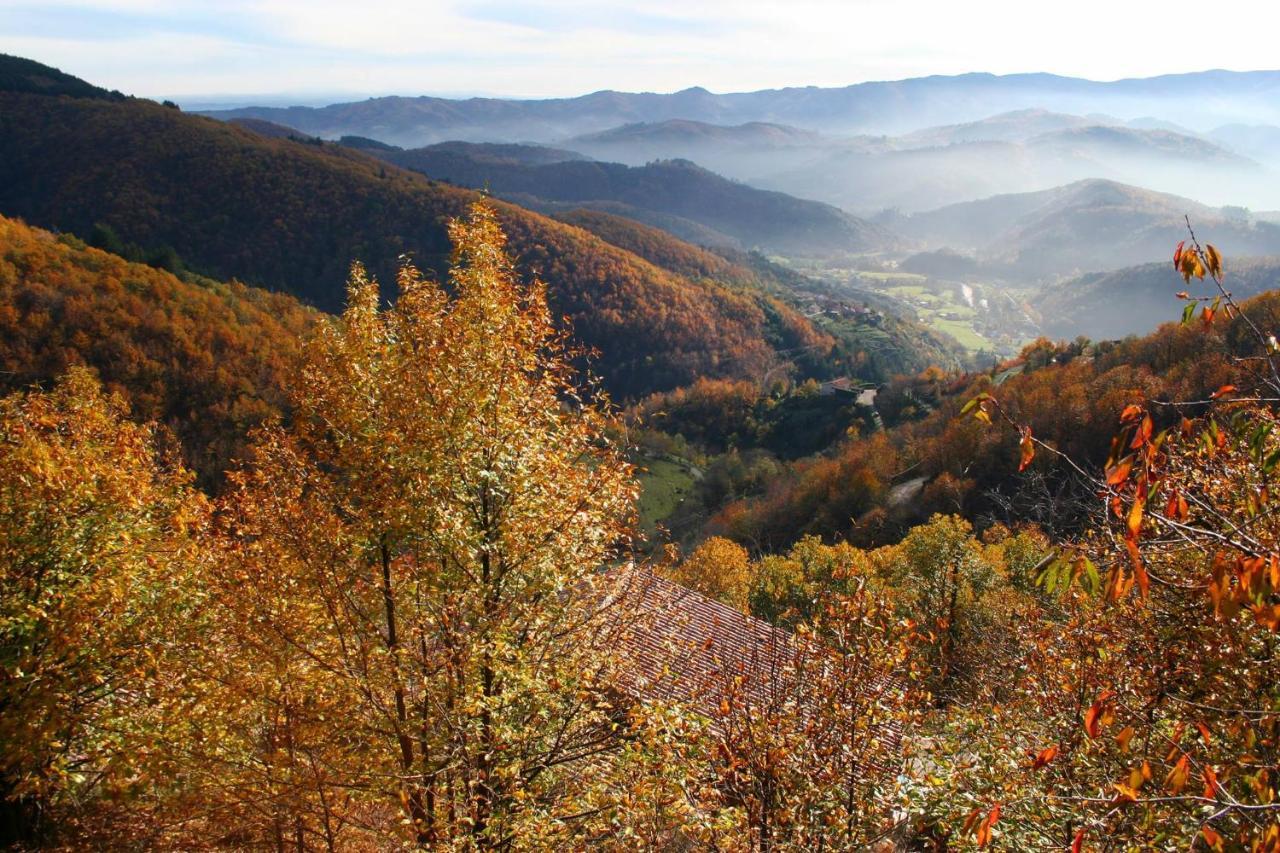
x: 205, y: 359
x: 872, y: 489
x: 798, y: 470
x: 875, y: 347
x: 751, y: 217
x: 1126, y: 301
x: 292, y: 216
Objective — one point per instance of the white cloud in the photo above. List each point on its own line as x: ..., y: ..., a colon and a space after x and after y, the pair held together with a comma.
x: 565, y: 47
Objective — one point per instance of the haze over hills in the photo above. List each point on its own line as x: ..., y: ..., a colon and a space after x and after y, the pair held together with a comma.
x: 1130, y: 301
x: 1010, y: 152
x: 863, y: 178
x: 1086, y: 226
x: 879, y: 107
x: 733, y: 214
x: 292, y: 215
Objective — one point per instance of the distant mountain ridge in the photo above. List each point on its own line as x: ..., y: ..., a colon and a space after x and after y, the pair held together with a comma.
x: 1083, y: 227
x: 293, y: 215
x: 746, y: 216
x: 874, y: 107
x: 1131, y: 301
x: 1009, y: 152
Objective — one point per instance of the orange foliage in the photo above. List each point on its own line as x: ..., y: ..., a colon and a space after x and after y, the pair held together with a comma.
x: 207, y: 360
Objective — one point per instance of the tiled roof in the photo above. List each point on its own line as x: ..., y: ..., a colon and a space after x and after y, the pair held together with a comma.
x: 683, y: 646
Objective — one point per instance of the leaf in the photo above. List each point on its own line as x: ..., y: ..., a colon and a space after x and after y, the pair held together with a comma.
x: 1131, y: 413
x: 1177, y: 778
x: 1077, y: 844
x: 1027, y: 449
x: 1225, y: 389
x: 1134, y: 522
x: 1124, y: 793
x: 1210, y: 783
x: 1204, y: 732
x: 1044, y: 757
x: 984, y: 829
x: 1143, y: 434
x: 1119, y: 472
x: 1126, y: 734
x: 1177, y: 254
x: 1093, y: 716
x: 1188, y: 313
x: 1139, y: 570
x: 970, y: 821
x: 1214, y: 257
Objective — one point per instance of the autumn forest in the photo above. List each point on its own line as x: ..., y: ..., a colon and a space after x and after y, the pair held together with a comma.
x: 482, y: 474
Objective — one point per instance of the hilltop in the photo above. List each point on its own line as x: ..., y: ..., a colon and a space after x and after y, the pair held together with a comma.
x: 292, y: 215
x: 746, y: 216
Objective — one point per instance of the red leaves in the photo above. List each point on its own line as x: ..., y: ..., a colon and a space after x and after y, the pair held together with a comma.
x: 1214, y: 259
x: 1225, y: 389
x: 1139, y: 569
x: 1177, y: 254
x: 1131, y: 413
x: 1099, y: 714
x: 1134, y: 522
x: 1091, y: 718
x: 1210, y: 783
x: 1143, y: 433
x: 1044, y: 757
x: 1026, y: 449
x: 1077, y: 843
x: 984, y: 829
x: 1177, y: 778
x: 1119, y: 472
x: 1176, y: 507
x: 1189, y: 264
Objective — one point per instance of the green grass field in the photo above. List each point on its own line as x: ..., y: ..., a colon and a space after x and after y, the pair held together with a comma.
x: 943, y: 308
x: 663, y: 485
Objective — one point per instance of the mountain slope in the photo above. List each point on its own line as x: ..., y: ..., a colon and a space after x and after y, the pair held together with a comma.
x: 751, y: 217
x: 26, y: 75
x: 1013, y: 126
x: 1085, y: 226
x: 1131, y: 301
x: 293, y: 215
x: 895, y: 345
x: 206, y: 359
x: 901, y: 173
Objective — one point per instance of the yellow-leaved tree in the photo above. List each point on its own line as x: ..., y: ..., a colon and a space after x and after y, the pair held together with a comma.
x: 96, y: 552
x: 419, y: 649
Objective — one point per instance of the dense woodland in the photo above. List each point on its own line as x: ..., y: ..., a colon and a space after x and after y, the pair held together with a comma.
x: 159, y: 178
x: 746, y: 216
x: 206, y: 360
x: 276, y: 578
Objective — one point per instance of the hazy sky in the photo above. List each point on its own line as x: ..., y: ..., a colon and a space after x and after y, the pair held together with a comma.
x: 568, y: 47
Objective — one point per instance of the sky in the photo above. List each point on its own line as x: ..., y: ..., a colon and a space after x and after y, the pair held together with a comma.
x: 318, y: 49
